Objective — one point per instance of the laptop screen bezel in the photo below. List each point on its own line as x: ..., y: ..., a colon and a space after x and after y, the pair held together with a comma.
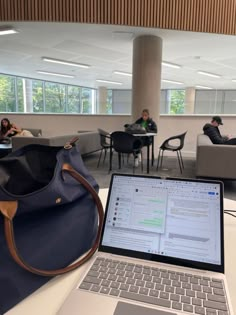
x: 165, y: 259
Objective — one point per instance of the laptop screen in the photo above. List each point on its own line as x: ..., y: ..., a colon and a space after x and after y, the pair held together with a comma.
x: 177, y: 221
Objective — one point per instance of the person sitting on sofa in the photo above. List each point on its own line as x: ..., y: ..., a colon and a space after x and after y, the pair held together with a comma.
x: 8, y: 129
x: 213, y: 132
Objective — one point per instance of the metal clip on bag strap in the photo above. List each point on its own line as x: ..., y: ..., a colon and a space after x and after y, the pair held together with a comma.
x: 8, y: 209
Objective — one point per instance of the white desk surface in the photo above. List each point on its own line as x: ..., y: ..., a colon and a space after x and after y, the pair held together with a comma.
x: 48, y: 299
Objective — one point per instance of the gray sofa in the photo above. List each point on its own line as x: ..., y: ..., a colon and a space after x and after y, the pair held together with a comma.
x: 215, y: 160
x: 88, y: 142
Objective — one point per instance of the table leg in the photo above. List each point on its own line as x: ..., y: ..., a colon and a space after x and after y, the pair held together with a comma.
x: 148, y: 157
x: 110, y: 156
x: 152, y: 143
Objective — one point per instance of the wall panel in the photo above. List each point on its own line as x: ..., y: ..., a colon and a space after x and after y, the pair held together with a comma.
x: 212, y: 16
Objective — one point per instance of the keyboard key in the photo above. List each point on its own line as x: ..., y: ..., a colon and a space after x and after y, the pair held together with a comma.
x: 180, y: 291
x: 144, y: 291
x: 197, y: 302
x: 130, y: 281
x: 103, y: 275
x: 147, y: 278
x: 112, y: 271
x: 146, y: 271
x: 199, y: 310
x: 190, y: 293
x: 170, y: 289
x: 105, y: 283
x: 112, y: 278
x: 218, y: 291
x: 145, y: 299
x: 201, y: 295
x: 159, y: 287
x: 215, y: 305
x: 175, y: 297
x: 176, y: 283
x: 105, y: 290
x: 185, y: 299
x: 140, y: 283
x: 85, y: 286
x: 166, y: 281
x: 186, y: 285
x: 114, y: 292
x: 124, y: 287
x: 133, y: 289
x: 207, y: 289
x: 176, y: 305
x: 95, y: 288
x: 120, y: 273
x: 115, y: 285
x: 138, y: 276
x: 92, y: 280
x: 154, y: 293
x: 164, y: 295
x: 216, y: 298
x: 188, y: 308
x: 204, y: 282
x: 149, y: 285
x: 217, y: 285
x: 210, y: 312
x: 194, y: 280
x: 196, y: 287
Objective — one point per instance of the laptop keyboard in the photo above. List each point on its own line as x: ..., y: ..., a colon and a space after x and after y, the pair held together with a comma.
x: 173, y: 290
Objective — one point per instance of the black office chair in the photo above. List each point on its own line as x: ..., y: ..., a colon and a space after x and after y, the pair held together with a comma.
x: 125, y: 143
x: 167, y: 146
x: 105, y: 141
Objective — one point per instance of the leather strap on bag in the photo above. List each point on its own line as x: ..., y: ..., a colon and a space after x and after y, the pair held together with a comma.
x: 8, y: 209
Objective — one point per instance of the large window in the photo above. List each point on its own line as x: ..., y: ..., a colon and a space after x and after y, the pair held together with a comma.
x: 38, y: 96
x: 7, y: 93
x: 35, y: 96
x: 28, y: 95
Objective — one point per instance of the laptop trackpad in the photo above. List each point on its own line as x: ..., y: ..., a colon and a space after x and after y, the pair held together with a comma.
x: 131, y: 309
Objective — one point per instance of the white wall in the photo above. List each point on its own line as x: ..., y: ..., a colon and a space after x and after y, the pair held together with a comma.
x: 167, y: 126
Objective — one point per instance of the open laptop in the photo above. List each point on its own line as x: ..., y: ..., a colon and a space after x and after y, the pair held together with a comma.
x: 161, y: 251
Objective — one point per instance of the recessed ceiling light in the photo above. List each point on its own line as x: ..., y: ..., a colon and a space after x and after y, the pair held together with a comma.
x: 107, y: 81
x: 170, y: 81
x: 64, y: 62
x: 170, y: 65
x: 209, y: 74
x: 234, y: 80
x: 55, y: 74
x: 123, y: 73
x: 204, y: 87
x: 7, y: 30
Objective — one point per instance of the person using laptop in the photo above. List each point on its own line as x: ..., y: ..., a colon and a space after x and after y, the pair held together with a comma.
x: 147, y: 122
x: 213, y: 132
x: 150, y: 126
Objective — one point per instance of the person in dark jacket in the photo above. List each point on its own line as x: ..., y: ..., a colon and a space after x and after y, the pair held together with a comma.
x: 147, y: 122
x: 150, y: 126
x: 213, y: 132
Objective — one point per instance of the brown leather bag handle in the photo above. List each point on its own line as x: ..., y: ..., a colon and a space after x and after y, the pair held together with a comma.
x: 8, y: 209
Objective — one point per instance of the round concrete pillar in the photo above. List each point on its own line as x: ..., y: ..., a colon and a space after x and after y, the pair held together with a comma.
x: 146, y: 81
x: 102, y: 100
x: 189, y: 100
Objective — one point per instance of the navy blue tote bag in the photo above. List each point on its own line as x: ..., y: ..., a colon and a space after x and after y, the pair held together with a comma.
x: 50, y: 215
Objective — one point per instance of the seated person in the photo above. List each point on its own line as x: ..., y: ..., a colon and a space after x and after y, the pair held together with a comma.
x: 147, y: 122
x: 8, y: 129
x: 213, y: 132
x: 150, y: 126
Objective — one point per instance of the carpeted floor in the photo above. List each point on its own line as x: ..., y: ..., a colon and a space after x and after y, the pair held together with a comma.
x: 170, y: 168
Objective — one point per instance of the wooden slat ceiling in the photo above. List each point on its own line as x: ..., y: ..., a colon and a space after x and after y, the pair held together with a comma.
x: 211, y: 16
